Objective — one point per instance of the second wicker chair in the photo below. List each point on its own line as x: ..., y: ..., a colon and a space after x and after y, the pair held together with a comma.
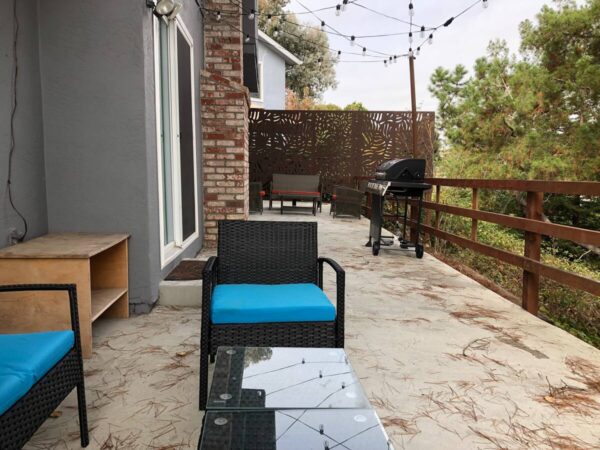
x: 264, y: 289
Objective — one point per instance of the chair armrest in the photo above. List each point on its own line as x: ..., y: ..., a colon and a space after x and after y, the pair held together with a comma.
x: 72, y: 292
x: 341, y: 293
x: 340, y: 280
x: 209, y: 279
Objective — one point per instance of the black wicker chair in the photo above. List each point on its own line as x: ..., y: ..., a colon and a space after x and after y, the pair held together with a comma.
x: 20, y: 421
x: 346, y: 202
x: 266, y: 253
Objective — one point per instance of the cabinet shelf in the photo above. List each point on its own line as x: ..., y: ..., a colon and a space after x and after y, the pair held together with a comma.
x: 102, y: 299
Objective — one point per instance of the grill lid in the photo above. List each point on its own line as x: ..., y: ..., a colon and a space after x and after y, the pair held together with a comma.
x: 401, y: 170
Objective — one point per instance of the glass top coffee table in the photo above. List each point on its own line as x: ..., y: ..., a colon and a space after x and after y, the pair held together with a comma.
x: 274, y: 398
x: 284, y: 378
x: 291, y: 429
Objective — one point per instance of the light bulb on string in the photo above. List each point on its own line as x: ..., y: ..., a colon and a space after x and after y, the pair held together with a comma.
x: 364, y: 51
x: 319, y: 61
x: 430, y: 39
x: 339, y: 54
x: 275, y: 32
x: 390, y: 60
x: 410, y: 37
x: 352, y: 41
x: 251, y: 15
x: 485, y: 3
x: 247, y: 38
x: 385, y: 63
x: 411, y: 10
x: 422, y: 32
x: 395, y: 59
x: 269, y: 18
x: 338, y: 10
x: 418, y: 51
x: 218, y: 16
x: 410, y: 53
x: 322, y: 25
x: 344, y: 3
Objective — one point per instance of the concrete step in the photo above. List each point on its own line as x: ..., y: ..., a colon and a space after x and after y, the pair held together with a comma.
x: 180, y: 293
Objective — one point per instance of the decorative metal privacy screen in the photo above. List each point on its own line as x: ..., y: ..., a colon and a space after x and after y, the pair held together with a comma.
x: 338, y: 145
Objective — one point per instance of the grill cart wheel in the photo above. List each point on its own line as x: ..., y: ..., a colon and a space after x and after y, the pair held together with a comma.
x: 376, y: 246
x: 419, y: 251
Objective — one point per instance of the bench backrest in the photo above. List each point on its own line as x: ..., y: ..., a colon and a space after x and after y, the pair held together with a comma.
x: 261, y: 252
x: 298, y: 183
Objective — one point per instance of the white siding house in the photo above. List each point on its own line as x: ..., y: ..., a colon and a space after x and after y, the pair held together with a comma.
x: 272, y: 62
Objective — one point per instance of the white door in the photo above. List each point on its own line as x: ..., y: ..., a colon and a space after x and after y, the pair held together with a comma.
x: 176, y: 137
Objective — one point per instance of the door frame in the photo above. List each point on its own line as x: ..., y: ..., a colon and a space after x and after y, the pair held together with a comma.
x: 170, y: 251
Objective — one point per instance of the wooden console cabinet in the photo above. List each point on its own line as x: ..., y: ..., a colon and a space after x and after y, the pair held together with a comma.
x: 96, y: 263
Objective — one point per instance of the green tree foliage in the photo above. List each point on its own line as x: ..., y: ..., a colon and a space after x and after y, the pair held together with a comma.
x: 532, y: 117
x: 355, y: 106
x: 311, y: 78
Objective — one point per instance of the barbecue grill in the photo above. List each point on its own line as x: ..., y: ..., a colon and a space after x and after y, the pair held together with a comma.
x: 394, y: 180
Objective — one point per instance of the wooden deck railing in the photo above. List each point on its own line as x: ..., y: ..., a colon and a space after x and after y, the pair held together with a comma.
x: 532, y: 225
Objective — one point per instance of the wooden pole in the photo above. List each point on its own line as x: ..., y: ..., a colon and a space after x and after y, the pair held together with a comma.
x: 413, y: 98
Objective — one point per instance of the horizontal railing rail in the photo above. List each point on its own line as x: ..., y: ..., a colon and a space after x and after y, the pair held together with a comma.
x: 533, y: 226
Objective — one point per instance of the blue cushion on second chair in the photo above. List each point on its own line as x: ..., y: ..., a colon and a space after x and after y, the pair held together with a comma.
x: 34, y: 353
x: 13, y: 386
x: 263, y: 303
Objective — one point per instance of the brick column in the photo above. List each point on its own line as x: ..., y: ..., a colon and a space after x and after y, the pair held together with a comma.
x: 225, y: 103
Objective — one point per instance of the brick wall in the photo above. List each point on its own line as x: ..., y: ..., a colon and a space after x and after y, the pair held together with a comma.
x: 225, y: 103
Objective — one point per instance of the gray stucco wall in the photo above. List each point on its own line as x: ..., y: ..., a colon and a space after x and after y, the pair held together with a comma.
x: 28, y: 184
x: 97, y: 70
x: 272, y: 78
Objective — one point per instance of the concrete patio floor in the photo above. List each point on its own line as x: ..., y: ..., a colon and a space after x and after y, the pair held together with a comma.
x: 446, y: 363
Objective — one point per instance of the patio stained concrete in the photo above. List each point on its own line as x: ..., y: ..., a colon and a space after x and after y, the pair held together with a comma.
x: 445, y: 362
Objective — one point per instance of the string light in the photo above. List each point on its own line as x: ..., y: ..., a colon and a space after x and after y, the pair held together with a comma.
x: 422, y: 32
x: 411, y: 10
x: 430, y: 39
x: 338, y: 10
x: 385, y: 63
x: 410, y: 53
x: 275, y: 32
x: 352, y: 41
x: 218, y: 16
x: 485, y: 3
x: 364, y: 52
x: 319, y: 61
x: 410, y: 38
x: 269, y: 18
x: 418, y: 51
x: 344, y: 3
x: 322, y: 25
x: 247, y: 39
x: 251, y: 15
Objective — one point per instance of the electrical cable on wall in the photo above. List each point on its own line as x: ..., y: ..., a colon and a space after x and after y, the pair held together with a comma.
x: 13, y: 113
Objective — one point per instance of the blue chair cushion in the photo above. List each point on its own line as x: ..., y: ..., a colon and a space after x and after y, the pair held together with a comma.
x: 13, y: 386
x: 263, y: 303
x: 34, y: 353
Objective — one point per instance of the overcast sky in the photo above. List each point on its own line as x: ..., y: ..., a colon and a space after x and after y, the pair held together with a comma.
x: 462, y: 42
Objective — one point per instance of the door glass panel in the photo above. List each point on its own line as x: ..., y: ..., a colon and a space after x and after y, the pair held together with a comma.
x: 167, y: 163
x: 186, y: 137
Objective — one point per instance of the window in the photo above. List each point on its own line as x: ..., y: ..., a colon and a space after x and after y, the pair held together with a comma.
x: 176, y: 137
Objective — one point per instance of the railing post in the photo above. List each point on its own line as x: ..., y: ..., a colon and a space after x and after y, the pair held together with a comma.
x: 437, y: 200
x: 533, y: 242
x: 474, y: 205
